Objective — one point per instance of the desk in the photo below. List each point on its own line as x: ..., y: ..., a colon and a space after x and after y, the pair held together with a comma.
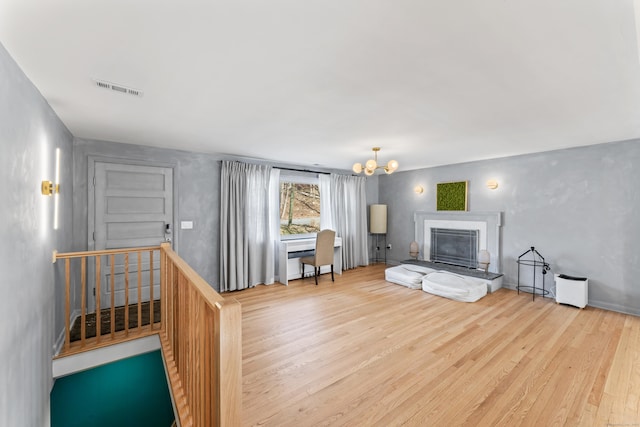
x: 289, y: 266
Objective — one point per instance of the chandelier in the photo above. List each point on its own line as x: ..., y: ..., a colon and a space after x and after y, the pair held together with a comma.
x: 372, y: 164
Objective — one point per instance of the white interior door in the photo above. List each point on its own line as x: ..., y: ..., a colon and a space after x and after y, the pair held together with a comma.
x: 133, y: 208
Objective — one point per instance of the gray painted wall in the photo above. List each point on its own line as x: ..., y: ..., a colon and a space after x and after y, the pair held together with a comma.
x: 31, y: 309
x: 579, y: 207
x: 196, y: 196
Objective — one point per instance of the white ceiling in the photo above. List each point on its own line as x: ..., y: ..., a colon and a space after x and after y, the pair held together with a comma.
x: 320, y: 82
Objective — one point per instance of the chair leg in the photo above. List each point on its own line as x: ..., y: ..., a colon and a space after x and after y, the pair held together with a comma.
x: 332, y: 273
x: 302, y: 277
x: 316, y: 274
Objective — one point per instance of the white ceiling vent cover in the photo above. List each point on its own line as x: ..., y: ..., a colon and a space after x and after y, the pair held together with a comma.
x: 118, y: 88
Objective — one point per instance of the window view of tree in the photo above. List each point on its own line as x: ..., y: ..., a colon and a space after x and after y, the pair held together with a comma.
x: 299, y: 208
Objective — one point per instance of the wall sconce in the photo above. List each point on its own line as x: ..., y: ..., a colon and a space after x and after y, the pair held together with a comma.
x: 48, y: 188
x: 492, y: 184
x: 418, y: 189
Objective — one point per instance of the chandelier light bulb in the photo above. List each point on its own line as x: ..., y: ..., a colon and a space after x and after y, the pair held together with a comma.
x: 368, y: 172
x: 371, y: 165
x: 357, y: 167
x: 392, y: 165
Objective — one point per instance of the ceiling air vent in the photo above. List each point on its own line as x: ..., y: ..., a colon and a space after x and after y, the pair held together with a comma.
x: 118, y: 88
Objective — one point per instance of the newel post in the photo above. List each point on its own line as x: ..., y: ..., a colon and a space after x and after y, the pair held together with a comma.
x: 228, y: 362
x: 164, y: 288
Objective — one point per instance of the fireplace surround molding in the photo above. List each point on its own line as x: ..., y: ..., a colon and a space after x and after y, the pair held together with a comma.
x: 487, y: 223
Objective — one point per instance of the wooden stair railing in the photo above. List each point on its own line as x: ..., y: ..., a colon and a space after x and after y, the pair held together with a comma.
x: 200, y: 331
x: 202, y: 344
x: 106, y: 310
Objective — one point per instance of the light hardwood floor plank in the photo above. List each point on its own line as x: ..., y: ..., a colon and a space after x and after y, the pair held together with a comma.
x: 364, y: 352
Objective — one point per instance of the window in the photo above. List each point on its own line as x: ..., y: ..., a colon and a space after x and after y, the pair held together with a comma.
x: 299, y: 206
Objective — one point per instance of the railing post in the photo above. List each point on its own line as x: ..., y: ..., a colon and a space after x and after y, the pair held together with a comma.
x: 228, y: 362
x: 164, y: 290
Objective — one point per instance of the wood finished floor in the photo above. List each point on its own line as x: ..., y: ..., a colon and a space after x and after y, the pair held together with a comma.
x: 365, y: 352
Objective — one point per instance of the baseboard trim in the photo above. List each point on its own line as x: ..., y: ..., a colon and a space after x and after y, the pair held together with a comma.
x: 100, y: 356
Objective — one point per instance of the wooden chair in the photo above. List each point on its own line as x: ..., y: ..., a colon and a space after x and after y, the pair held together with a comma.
x: 323, y: 255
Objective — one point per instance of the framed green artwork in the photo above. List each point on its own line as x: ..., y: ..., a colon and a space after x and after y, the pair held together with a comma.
x: 451, y: 196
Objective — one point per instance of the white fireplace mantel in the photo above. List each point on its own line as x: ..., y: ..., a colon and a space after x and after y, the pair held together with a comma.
x: 488, y: 224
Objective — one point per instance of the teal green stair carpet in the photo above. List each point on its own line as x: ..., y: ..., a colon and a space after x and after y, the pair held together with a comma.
x: 130, y: 392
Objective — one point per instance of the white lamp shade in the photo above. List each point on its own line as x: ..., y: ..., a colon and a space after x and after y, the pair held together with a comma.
x: 378, y: 219
x: 414, y: 249
x: 484, y: 257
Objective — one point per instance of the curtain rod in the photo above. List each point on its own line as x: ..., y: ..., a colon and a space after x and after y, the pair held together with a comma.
x: 301, y: 170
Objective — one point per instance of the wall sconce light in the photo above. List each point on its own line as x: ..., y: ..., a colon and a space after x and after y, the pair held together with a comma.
x: 418, y: 189
x: 492, y: 184
x: 48, y: 188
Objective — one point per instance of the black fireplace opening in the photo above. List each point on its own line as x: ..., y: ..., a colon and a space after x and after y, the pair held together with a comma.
x: 453, y: 246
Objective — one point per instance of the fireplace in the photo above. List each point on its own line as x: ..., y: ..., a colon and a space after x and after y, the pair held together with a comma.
x: 486, y: 226
x: 454, y: 246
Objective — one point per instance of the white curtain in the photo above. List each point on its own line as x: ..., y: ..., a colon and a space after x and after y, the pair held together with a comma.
x: 326, y: 217
x: 249, y: 228
x: 347, y: 203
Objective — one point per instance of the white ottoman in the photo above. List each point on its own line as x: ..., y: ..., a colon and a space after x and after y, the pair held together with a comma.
x: 453, y: 286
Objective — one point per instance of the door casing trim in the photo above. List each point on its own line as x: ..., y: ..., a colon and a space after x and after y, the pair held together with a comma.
x: 91, y: 202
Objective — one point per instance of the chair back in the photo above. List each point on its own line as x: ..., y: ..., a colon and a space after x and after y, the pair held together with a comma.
x: 324, y: 247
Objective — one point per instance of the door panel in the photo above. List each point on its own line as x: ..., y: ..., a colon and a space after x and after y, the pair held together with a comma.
x: 133, y: 208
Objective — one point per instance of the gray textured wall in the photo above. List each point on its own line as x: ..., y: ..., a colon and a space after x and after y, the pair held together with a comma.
x: 196, y: 196
x: 579, y: 207
x: 31, y: 307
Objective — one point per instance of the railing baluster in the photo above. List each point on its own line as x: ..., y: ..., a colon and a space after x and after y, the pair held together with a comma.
x: 151, y: 290
x: 83, y: 309
x: 126, y: 294
x: 112, y: 320
x: 98, y: 308
x: 67, y: 303
x: 139, y: 291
